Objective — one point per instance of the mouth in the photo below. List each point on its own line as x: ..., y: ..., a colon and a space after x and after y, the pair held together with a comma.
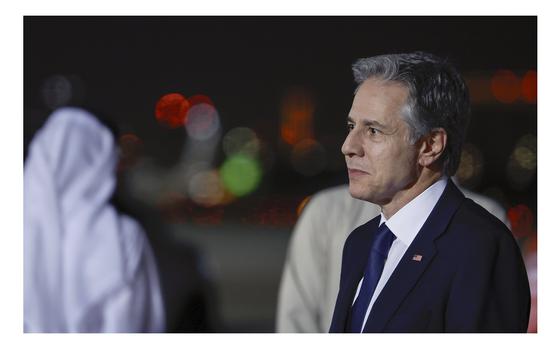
x: 354, y: 172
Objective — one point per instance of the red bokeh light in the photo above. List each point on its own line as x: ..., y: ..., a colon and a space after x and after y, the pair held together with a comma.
x: 505, y: 86
x: 171, y: 110
x: 522, y: 220
x: 529, y: 87
x: 199, y: 99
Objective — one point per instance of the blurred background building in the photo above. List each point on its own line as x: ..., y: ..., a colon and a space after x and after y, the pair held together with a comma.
x: 228, y: 124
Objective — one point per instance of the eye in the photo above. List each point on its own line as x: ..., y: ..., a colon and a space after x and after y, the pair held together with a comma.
x: 350, y: 127
x: 373, y: 130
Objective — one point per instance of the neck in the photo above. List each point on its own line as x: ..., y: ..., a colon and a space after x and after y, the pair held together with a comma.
x: 403, y: 197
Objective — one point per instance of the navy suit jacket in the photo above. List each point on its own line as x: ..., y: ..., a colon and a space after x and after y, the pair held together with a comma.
x: 471, y: 277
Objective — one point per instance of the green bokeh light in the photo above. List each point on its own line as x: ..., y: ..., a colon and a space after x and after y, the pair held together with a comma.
x: 241, y: 174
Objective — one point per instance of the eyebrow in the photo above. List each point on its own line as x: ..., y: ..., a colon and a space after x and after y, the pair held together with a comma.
x: 367, y: 122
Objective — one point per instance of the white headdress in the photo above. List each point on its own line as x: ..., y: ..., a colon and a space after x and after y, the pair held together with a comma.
x: 87, y: 268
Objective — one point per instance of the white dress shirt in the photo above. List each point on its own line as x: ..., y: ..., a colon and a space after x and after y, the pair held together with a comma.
x: 405, y: 225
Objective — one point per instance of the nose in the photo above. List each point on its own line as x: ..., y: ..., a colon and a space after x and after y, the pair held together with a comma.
x: 352, y: 145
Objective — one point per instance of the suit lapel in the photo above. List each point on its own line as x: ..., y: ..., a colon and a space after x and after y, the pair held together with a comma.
x: 408, y: 271
x: 357, y: 256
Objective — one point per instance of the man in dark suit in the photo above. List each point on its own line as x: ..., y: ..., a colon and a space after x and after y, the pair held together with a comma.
x: 433, y: 261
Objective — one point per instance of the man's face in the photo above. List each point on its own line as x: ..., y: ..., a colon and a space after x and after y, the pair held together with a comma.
x: 381, y: 161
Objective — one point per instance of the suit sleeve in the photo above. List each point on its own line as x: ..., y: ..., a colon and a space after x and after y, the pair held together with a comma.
x: 302, y: 284
x: 490, y: 290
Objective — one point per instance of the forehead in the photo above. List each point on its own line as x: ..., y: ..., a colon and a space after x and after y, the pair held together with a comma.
x: 379, y: 100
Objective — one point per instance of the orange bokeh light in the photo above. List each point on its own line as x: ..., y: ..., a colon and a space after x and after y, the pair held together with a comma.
x: 297, y: 116
x: 479, y: 89
x: 505, y: 86
x: 171, y: 110
x: 302, y: 205
x: 529, y: 87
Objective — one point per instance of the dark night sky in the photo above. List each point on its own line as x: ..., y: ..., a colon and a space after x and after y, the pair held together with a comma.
x: 246, y: 65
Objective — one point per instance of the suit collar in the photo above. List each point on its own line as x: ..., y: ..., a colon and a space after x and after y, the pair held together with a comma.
x: 408, y: 271
x: 407, y: 222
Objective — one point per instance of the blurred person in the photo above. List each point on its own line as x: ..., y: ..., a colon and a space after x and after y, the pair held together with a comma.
x: 433, y: 260
x: 311, y: 274
x: 187, y: 286
x: 309, y: 284
x: 87, y: 267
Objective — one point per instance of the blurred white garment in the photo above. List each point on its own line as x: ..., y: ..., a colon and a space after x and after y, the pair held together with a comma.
x: 311, y: 275
x: 87, y: 268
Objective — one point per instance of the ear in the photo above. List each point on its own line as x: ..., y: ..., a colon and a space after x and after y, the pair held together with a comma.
x: 432, y: 147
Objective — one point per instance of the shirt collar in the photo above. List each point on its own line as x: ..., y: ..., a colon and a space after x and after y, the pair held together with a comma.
x: 407, y: 222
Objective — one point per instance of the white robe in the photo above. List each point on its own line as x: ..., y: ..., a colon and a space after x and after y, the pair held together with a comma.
x: 87, y: 268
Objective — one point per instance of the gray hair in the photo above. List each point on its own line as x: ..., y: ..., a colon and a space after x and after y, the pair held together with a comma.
x: 438, y: 97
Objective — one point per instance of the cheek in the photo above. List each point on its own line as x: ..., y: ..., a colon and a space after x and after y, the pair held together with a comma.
x: 407, y: 163
x: 398, y: 162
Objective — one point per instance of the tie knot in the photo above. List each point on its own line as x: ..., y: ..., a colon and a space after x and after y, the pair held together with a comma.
x: 383, y: 240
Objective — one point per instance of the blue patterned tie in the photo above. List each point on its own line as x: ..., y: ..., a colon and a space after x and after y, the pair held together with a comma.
x: 377, y: 256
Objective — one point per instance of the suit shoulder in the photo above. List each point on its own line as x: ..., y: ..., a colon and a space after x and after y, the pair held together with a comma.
x: 491, y: 205
x: 473, y: 223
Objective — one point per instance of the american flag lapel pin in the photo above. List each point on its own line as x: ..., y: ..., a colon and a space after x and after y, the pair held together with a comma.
x: 417, y: 257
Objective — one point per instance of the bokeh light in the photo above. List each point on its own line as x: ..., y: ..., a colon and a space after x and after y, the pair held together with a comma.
x: 297, y: 111
x: 200, y: 99
x: 241, y: 140
x: 479, y: 89
x: 241, y: 174
x: 525, y: 157
x: 302, y: 205
x: 522, y: 164
x: 522, y: 220
x: 56, y: 91
x: 505, y: 86
x: 203, y: 122
x: 309, y: 157
x: 529, y: 87
x: 530, y: 244
x: 187, y: 169
x: 206, y: 188
x: 471, y: 166
x: 130, y: 146
x: 171, y: 110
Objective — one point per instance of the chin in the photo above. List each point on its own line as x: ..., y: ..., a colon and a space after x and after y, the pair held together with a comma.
x: 366, y: 193
x: 358, y: 192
